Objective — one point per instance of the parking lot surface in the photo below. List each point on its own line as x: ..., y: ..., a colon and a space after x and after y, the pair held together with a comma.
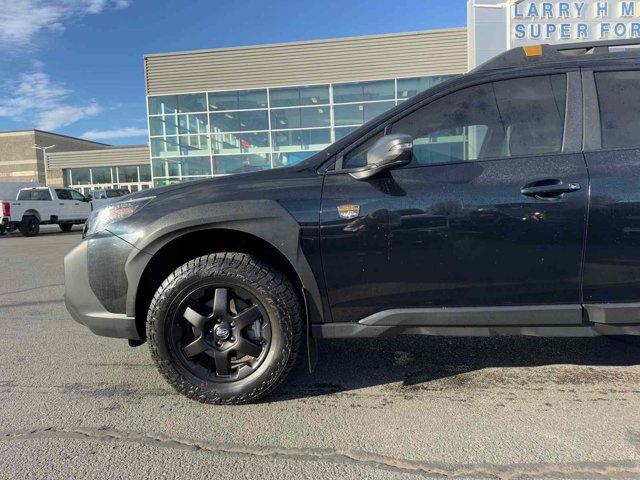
x: 76, y: 405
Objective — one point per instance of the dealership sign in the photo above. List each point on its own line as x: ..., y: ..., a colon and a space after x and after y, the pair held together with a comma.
x: 551, y: 22
x: 497, y: 25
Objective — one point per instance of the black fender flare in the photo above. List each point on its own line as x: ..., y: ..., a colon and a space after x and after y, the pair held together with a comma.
x: 264, y: 219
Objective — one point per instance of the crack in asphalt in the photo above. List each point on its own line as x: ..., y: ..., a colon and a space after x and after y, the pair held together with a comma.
x: 30, y: 304
x: 33, y: 289
x: 586, y: 470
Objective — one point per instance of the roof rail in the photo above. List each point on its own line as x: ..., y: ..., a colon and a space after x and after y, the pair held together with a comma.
x: 535, y: 54
x: 603, y: 45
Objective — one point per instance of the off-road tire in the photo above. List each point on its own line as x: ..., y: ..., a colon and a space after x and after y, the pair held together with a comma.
x: 270, y: 287
x: 29, y: 226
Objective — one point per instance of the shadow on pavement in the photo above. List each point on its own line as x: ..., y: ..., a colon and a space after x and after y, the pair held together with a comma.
x: 45, y: 231
x: 345, y: 365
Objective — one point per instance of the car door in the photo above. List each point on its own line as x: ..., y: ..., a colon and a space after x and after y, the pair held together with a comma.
x: 81, y: 206
x: 612, y: 151
x: 487, y: 220
x: 47, y: 206
x: 65, y: 208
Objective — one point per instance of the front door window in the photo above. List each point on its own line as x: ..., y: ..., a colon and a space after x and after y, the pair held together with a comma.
x: 518, y: 117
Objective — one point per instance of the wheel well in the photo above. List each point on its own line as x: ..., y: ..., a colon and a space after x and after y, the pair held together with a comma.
x: 195, y: 244
x: 31, y: 213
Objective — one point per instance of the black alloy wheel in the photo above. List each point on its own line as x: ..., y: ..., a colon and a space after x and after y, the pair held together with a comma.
x: 225, y: 328
x: 30, y: 226
x: 221, y: 333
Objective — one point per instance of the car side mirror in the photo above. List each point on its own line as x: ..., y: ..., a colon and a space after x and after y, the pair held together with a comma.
x: 390, y: 151
x: 88, y: 198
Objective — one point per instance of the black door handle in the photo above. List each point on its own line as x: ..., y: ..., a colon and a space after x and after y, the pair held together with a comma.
x: 549, y: 189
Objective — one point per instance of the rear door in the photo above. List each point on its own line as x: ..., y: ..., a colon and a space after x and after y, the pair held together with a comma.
x: 35, y: 199
x: 488, y: 218
x: 612, y: 151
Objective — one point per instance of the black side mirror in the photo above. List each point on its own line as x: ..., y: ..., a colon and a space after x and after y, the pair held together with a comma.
x: 88, y: 198
x: 390, y: 151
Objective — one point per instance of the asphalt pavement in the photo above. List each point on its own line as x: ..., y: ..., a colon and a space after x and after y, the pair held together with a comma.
x: 75, y: 405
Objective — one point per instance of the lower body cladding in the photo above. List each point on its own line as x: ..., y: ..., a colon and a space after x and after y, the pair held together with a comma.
x: 96, y: 290
x: 532, y: 320
x: 83, y: 304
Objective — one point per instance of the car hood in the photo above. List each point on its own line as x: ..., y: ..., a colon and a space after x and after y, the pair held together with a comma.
x: 288, y: 186
x: 234, y: 182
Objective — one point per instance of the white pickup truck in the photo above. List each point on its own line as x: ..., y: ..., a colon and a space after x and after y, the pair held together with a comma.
x: 43, y: 205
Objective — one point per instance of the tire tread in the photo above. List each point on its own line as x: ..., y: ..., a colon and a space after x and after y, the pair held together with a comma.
x: 275, y: 289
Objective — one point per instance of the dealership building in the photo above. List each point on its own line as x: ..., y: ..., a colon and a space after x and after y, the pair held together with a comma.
x: 220, y: 111
x: 22, y: 154
x: 110, y: 167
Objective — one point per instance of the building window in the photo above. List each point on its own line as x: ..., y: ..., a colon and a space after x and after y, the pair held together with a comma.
x: 216, y: 133
x: 239, y: 121
x: 408, y: 87
x: 81, y: 176
x: 364, y: 91
x: 168, y: 104
x: 241, y: 163
x: 295, y: 140
x: 182, y: 167
x: 101, y: 175
x: 240, y: 142
x: 237, y: 100
x: 289, y: 97
x: 133, y: 177
x: 128, y: 175
x: 145, y: 173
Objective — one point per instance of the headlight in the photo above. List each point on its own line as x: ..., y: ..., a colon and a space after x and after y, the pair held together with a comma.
x: 102, y: 218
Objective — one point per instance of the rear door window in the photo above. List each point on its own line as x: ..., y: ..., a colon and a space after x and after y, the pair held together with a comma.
x: 619, y: 102
x: 42, y: 195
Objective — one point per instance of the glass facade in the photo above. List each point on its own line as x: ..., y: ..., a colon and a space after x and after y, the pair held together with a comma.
x: 132, y: 177
x: 203, y: 134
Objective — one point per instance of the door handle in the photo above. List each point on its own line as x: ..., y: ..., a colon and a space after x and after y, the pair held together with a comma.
x: 548, y: 189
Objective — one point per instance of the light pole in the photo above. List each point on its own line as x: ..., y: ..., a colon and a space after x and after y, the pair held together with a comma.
x: 44, y: 157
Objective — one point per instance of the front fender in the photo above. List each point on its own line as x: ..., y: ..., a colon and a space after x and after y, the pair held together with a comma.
x: 264, y: 219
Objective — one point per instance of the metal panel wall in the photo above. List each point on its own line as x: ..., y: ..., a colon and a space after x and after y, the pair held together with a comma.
x: 110, y: 157
x: 434, y: 52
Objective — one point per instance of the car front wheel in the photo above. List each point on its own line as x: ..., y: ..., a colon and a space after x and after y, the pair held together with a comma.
x: 225, y: 328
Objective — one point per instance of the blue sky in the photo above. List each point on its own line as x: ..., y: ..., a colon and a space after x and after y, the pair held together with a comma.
x: 75, y: 66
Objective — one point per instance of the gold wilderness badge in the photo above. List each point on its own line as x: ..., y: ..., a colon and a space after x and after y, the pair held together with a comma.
x: 348, y: 211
